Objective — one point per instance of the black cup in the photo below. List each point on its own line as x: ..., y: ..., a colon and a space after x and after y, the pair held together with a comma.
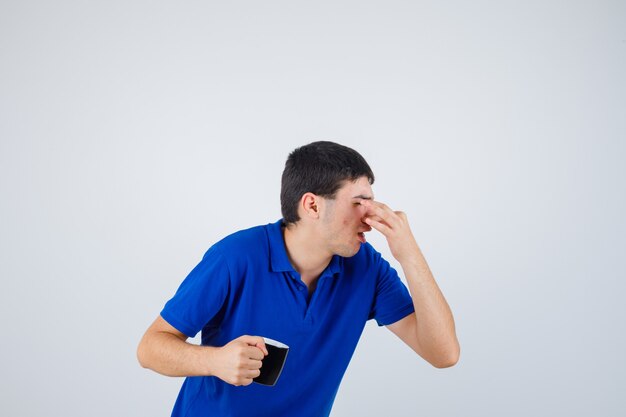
x: 273, y: 363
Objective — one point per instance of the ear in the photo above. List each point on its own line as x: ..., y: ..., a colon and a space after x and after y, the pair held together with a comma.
x: 310, y: 205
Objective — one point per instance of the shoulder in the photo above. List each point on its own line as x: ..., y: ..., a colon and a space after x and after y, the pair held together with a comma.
x: 242, y: 244
x: 242, y: 238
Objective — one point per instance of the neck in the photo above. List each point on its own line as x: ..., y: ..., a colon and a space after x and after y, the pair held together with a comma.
x: 304, y: 251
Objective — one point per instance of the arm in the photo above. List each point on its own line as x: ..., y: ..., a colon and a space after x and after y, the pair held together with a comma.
x: 165, y: 350
x: 430, y: 331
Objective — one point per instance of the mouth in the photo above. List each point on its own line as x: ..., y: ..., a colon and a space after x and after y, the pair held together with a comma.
x: 361, y: 236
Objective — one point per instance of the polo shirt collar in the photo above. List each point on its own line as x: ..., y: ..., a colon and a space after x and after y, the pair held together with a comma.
x: 279, y: 261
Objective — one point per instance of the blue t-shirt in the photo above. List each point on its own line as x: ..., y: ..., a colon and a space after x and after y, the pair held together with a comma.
x: 245, y: 285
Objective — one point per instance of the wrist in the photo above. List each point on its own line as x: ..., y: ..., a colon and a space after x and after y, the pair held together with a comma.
x: 412, y: 259
x: 208, y: 359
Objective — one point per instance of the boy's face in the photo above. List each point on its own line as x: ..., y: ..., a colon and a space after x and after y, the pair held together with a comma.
x: 342, y: 225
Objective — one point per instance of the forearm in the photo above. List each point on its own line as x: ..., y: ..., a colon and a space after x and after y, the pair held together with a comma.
x: 436, y: 334
x: 169, y: 355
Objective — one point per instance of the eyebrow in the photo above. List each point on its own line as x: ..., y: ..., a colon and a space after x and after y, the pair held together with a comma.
x: 362, y: 197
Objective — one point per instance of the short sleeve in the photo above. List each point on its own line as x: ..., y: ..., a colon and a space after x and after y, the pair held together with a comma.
x: 392, y: 300
x: 200, y: 296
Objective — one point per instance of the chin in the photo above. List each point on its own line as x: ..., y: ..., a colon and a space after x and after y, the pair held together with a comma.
x: 349, y: 252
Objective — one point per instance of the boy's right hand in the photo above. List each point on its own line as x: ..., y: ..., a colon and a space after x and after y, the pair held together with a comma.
x: 239, y: 361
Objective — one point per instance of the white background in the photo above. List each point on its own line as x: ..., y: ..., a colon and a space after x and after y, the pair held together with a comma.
x: 134, y: 134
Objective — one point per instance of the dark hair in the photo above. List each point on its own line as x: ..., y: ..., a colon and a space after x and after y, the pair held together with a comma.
x: 319, y: 168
